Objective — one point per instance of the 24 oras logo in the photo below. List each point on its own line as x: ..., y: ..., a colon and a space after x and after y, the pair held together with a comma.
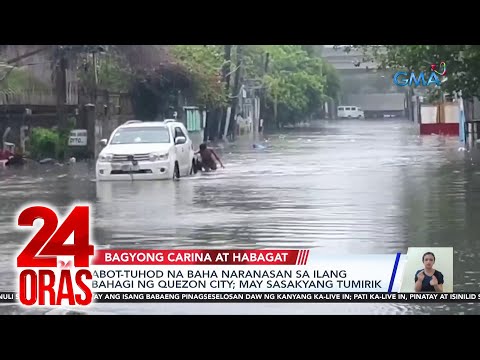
x: 48, y: 276
x: 403, y: 78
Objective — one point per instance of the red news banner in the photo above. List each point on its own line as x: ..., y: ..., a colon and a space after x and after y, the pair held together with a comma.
x: 53, y: 270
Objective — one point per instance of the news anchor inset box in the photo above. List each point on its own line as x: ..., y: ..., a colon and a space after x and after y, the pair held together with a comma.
x: 428, y: 267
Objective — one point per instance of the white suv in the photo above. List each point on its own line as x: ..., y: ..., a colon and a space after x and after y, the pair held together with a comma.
x: 146, y: 151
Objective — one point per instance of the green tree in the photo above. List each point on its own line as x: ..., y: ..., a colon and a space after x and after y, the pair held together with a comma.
x: 14, y: 79
x: 296, y: 79
x: 333, y: 86
x: 296, y: 82
x: 313, y: 50
x: 113, y: 72
x: 204, y: 64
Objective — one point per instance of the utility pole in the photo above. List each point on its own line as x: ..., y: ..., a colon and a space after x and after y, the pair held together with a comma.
x: 95, y: 77
x: 226, y: 66
x: 463, y: 120
x: 235, y: 91
x: 263, y: 92
x: 226, y: 74
x: 61, y: 88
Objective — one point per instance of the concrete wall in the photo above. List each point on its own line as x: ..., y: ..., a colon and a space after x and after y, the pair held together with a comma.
x: 345, y: 61
x: 40, y: 66
x: 475, y: 109
x: 377, y: 102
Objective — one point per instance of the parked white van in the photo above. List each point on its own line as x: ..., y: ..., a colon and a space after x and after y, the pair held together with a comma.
x: 346, y: 112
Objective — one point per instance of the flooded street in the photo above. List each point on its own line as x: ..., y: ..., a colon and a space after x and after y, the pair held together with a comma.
x: 345, y: 187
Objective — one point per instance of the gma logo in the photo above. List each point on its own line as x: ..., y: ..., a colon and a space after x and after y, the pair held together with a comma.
x: 402, y: 78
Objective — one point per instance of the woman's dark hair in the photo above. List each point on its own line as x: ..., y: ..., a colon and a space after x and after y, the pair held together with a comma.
x: 203, y: 146
x: 428, y: 253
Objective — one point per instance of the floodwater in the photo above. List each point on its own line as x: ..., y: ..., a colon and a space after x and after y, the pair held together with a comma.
x: 345, y: 187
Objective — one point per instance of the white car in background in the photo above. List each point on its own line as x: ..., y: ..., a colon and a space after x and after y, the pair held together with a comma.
x: 140, y: 150
x: 350, y: 112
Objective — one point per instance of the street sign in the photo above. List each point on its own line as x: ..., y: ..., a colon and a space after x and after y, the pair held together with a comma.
x: 78, y: 137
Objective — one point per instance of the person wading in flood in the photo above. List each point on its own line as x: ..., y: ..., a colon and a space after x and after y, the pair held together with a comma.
x: 208, y: 157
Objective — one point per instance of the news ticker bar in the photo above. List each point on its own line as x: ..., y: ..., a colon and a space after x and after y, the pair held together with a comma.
x: 269, y: 297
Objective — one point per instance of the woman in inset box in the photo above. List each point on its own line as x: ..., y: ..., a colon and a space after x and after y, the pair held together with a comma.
x: 428, y: 279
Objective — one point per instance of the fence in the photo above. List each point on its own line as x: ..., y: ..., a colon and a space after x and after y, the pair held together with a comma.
x: 37, y: 97
x: 115, y: 103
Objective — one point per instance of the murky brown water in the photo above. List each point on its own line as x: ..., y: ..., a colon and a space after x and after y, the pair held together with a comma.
x: 346, y: 187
